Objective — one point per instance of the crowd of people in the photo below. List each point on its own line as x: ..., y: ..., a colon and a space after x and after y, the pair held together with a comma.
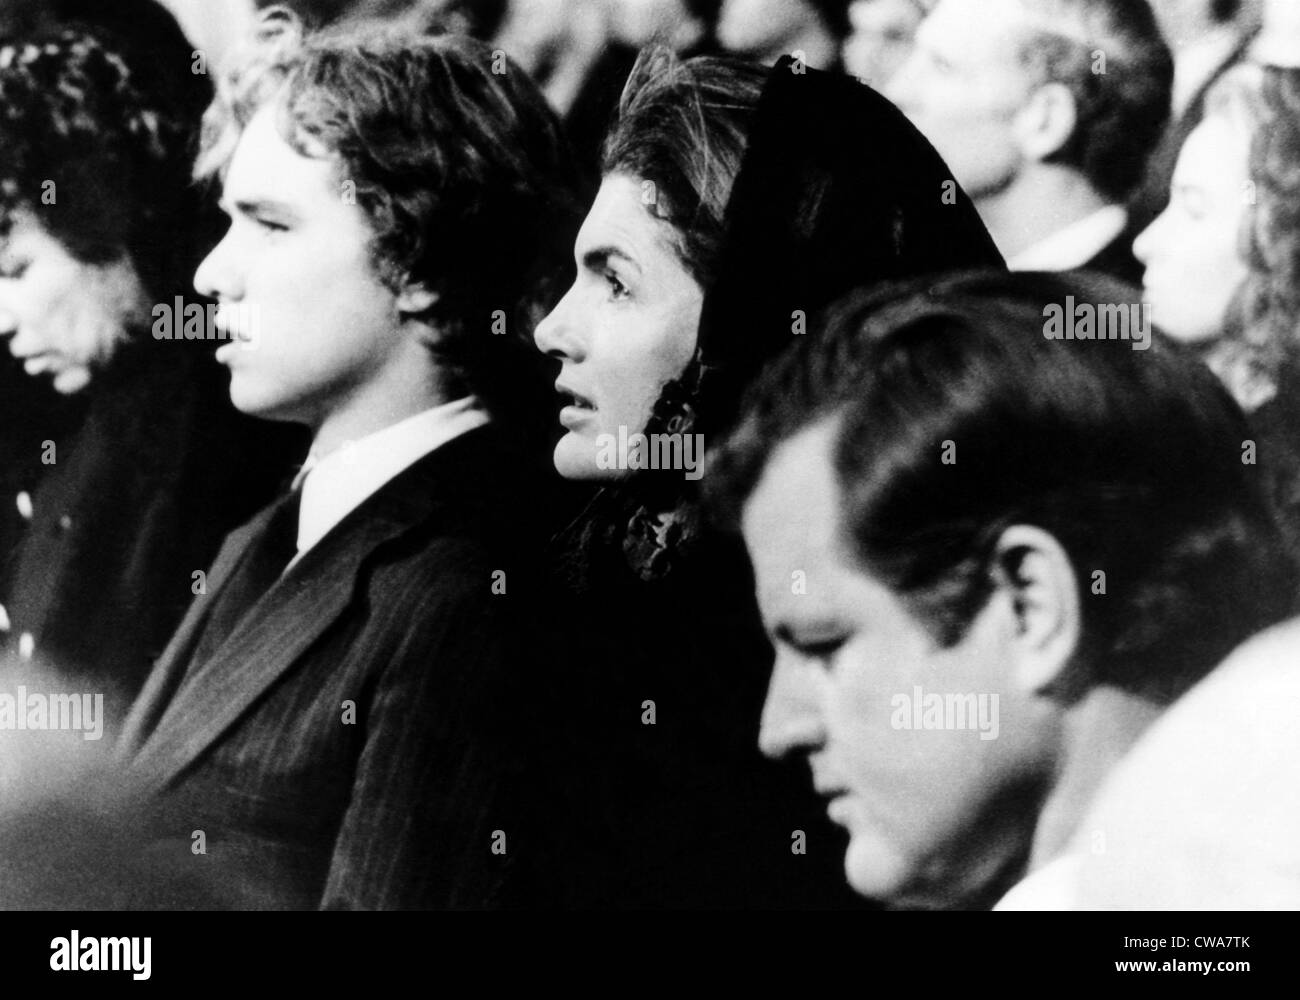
x: 650, y: 454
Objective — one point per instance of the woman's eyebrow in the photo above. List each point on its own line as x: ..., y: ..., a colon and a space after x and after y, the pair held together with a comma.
x: 597, y: 258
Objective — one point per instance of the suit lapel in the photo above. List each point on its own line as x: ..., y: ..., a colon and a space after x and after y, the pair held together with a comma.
x: 293, y: 614
x: 169, y: 671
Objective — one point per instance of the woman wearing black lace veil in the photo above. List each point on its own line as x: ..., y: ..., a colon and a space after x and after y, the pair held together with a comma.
x: 736, y: 203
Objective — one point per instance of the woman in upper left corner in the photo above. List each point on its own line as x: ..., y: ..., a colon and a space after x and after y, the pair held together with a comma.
x: 116, y: 510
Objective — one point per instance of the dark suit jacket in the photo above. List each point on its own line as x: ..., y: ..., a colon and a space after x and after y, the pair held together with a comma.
x: 394, y: 611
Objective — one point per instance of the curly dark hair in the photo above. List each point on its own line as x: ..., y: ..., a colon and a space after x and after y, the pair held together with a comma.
x: 1132, y: 461
x: 683, y: 125
x: 458, y: 165
x: 98, y: 158
x: 1266, y: 315
x: 1121, y: 106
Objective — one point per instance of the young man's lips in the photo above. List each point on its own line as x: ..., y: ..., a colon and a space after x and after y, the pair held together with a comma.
x: 573, y: 416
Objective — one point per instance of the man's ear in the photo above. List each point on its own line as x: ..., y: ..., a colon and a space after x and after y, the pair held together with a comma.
x: 1047, y: 121
x: 1036, y: 577
x: 416, y: 298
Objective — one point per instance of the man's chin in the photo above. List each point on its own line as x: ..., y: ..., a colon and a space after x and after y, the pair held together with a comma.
x: 876, y: 869
x: 252, y: 403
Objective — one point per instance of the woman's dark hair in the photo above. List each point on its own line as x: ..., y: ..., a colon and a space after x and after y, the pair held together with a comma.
x: 1266, y: 316
x: 98, y: 153
x: 1135, y: 461
x: 682, y: 126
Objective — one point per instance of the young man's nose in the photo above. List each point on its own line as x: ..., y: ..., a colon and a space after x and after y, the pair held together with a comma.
x: 216, y: 277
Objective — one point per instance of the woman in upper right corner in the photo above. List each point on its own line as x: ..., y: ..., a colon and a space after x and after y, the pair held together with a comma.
x: 1223, y: 263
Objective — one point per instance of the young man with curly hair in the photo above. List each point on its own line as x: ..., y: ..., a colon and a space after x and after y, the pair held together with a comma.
x: 329, y: 712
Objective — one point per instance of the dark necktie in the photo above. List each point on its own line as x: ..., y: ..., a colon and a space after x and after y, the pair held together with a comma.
x: 264, y: 560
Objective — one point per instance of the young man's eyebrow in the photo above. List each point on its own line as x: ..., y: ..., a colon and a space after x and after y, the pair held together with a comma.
x: 804, y: 634
x: 255, y: 206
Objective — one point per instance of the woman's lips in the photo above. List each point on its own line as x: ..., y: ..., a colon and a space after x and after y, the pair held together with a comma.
x: 579, y: 409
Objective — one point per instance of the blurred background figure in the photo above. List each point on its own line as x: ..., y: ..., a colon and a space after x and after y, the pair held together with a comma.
x: 1207, y: 37
x: 881, y: 36
x: 1046, y: 111
x: 214, y: 26
x: 1279, y: 40
x: 30, y: 411
x: 99, y: 225
x: 479, y: 18
x: 1223, y: 261
x: 680, y: 25
x: 765, y: 30
x: 558, y: 45
x: 581, y: 52
x: 686, y: 27
x: 144, y: 31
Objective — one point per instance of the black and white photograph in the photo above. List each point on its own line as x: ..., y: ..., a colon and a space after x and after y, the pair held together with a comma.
x: 507, y: 459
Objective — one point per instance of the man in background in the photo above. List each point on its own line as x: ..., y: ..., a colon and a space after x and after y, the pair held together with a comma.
x: 1046, y: 110
x: 765, y: 30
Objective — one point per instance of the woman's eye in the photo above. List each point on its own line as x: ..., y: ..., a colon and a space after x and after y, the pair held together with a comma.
x: 271, y: 226
x: 617, y: 289
x: 13, y: 269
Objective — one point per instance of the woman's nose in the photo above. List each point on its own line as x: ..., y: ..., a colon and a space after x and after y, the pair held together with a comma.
x: 555, y: 336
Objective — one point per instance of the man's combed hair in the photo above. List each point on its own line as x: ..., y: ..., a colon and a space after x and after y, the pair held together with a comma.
x: 451, y: 153
x: 1114, y: 61
x: 683, y: 126
x: 1132, y: 460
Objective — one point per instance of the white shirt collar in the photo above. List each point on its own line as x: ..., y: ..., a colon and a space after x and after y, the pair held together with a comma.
x: 335, y: 484
x: 1054, y: 886
x: 1196, y: 63
x: 1074, y: 245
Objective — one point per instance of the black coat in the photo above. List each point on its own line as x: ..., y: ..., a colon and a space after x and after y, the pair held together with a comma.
x: 682, y: 811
